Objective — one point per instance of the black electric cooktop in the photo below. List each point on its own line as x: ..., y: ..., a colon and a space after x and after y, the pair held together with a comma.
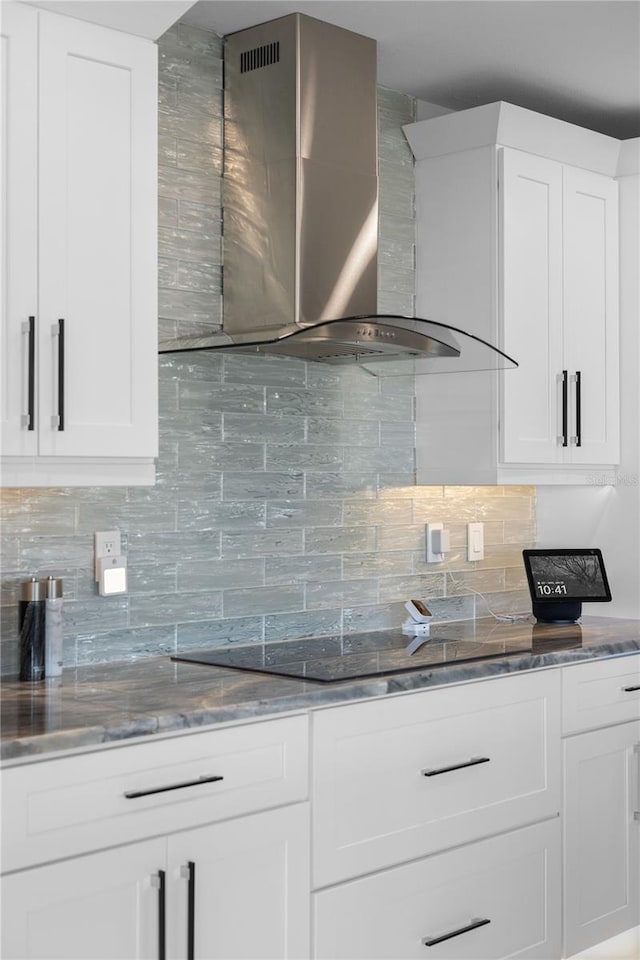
x: 375, y: 654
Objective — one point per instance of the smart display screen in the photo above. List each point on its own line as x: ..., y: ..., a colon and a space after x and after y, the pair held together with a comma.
x: 566, y: 575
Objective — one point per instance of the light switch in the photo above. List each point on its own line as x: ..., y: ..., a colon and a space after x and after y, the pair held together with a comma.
x: 475, y: 541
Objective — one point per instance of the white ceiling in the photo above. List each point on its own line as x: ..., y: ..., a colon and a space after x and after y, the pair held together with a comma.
x: 578, y: 60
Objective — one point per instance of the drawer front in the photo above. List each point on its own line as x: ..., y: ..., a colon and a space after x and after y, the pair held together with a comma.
x: 601, y: 692
x: 399, y: 778
x: 59, y: 808
x: 437, y: 908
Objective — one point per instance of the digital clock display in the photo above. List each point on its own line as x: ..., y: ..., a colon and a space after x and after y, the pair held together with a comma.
x: 566, y: 575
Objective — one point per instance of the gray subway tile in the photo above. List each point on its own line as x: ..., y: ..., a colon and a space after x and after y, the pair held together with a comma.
x: 301, y: 569
x: 196, y: 395
x: 312, y: 623
x: 265, y: 543
x: 174, y: 547
x: 219, y: 574
x: 403, y: 588
x: 185, y: 245
x: 309, y: 402
x: 192, y: 185
x: 363, y: 565
x: 201, y: 453
x: 174, y: 608
x: 338, y: 593
x: 373, y: 617
x: 304, y: 513
x: 339, y: 539
x: 183, y: 367
x: 199, y: 217
x: 265, y: 486
x: 203, y: 514
x: 342, y: 485
x: 271, y: 599
x: 217, y: 633
x: 187, y: 306
x: 266, y: 371
x: 199, y: 156
x: 131, y: 644
x: 308, y: 457
x: 353, y: 433
x: 263, y: 428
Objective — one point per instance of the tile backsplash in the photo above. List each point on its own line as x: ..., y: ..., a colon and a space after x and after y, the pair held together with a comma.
x: 285, y: 502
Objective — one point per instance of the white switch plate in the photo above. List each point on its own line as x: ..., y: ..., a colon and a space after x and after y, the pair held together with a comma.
x: 475, y: 541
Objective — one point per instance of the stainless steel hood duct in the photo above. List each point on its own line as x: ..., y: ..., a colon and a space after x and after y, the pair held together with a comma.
x: 300, y: 208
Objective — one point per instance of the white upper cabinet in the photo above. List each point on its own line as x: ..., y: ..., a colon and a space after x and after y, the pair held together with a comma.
x: 79, y: 396
x: 517, y: 242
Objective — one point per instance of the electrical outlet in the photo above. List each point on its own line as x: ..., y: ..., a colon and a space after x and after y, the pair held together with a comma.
x: 437, y: 542
x: 106, y: 544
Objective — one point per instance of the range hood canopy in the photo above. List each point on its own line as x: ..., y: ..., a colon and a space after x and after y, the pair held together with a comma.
x: 300, y: 210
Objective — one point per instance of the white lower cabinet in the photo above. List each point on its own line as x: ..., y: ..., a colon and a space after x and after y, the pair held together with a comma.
x: 105, y: 905
x: 234, y: 889
x: 441, y: 829
x: 495, y: 898
x: 248, y: 883
x: 601, y: 835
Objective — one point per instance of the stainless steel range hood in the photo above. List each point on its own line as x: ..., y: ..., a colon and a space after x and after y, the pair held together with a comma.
x: 300, y: 209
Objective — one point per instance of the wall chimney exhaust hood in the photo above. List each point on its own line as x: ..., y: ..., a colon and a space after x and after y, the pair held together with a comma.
x: 300, y: 210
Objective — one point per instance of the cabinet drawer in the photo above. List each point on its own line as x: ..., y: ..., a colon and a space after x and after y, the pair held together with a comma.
x: 59, y: 808
x: 513, y: 881
x: 399, y: 778
x: 600, y: 693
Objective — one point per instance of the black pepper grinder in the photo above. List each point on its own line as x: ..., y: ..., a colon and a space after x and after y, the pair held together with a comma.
x: 32, y: 614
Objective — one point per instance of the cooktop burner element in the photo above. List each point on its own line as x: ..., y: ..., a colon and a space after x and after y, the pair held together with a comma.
x: 362, y: 655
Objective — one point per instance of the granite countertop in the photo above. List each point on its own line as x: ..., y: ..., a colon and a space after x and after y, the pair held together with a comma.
x: 114, y: 702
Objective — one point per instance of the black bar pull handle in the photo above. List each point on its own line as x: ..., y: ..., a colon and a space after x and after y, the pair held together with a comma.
x: 134, y: 794
x: 473, y: 762
x: 473, y: 925
x: 60, y: 374
x: 188, y: 871
x: 578, y: 409
x: 565, y: 408
x: 159, y: 882
x: 31, y: 385
x: 631, y: 689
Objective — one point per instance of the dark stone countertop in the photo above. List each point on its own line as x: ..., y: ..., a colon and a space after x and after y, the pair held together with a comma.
x: 114, y: 702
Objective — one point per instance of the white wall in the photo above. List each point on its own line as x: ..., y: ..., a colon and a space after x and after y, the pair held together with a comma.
x: 609, y: 517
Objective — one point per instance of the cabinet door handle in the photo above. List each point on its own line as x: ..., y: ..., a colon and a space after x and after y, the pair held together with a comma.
x: 473, y: 762
x: 188, y: 871
x: 631, y: 689
x: 636, y: 814
x: 57, y: 330
x: 134, y: 794
x: 565, y: 408
x: 159, y: 882
x: 30, y: 419
x: 578, y: 409
x: 60, y: 374
x: 473, y: 925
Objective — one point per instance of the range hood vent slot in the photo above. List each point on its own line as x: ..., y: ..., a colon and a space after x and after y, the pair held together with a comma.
x: 259, y: 57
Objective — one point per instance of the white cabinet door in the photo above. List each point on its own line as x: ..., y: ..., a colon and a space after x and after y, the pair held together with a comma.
x: 19, y: 227
x: 590, y: 312
x: 531, y: 288
x: 559, y: 256
x: 97, y: 241
x: 106, y: 905
x: 248, y: 884
x: 601, y: 835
